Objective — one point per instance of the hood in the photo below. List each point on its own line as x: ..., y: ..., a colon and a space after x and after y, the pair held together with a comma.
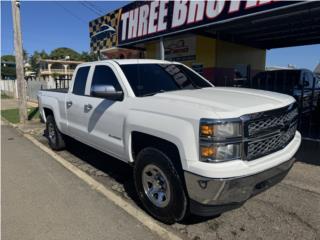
x: 227, y: 102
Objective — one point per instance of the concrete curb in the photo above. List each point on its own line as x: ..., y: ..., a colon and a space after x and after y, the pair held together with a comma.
x: 135, y: 212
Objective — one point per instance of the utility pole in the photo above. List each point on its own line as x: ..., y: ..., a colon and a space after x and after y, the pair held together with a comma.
x: 21, y: 83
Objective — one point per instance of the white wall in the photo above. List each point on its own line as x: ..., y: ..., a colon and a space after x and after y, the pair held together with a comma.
x: 9, y: 87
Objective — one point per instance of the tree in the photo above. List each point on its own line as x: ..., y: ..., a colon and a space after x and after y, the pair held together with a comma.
x: 25, y: 55
x: 8, y: 58
x: 35, y: 58
x: 44, y: 55
x: 62, y: 53
x: 88, y: 57
x: 34, y: 61
x: 8, y: 66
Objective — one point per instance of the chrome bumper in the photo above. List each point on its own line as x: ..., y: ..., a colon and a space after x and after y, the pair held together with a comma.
x: 218, y: 192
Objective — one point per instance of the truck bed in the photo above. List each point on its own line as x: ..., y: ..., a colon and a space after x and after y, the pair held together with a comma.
x: 59, y: 90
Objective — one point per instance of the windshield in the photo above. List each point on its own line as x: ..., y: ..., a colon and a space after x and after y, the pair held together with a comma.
x: 149, y: 79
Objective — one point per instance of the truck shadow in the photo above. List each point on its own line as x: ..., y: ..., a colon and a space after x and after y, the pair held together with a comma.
x: 121, y: 172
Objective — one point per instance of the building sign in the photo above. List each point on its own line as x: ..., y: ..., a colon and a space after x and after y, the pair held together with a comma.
x: 180, y: 49
x: 104, y: 31
x: 144, y: 20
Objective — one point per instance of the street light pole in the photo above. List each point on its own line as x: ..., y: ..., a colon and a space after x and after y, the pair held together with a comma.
x: 21, y: 83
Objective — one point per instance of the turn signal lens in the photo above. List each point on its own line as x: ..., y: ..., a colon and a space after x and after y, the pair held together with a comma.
x: 206, y: 130
x: 220, y: 153
x: 207, y: 152
x: 220, y: 130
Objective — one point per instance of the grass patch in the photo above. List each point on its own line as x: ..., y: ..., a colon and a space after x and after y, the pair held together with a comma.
x: 5, y: 96
x: 12, y: 115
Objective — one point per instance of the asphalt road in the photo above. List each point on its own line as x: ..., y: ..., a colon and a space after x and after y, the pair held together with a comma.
x: 289, y: 210
x: 43, y: 200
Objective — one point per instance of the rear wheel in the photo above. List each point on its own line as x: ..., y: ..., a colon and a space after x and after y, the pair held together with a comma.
x: 55, y: 137
x: 159, y: 186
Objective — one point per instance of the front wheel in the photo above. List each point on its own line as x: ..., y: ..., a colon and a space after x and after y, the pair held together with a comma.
x: 55, y: 137
x: 159, y: 186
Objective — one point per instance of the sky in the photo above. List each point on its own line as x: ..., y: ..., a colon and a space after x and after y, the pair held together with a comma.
x: 52, y: 24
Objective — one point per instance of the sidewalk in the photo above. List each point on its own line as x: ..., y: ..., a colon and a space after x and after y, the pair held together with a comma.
x: 43, y: 200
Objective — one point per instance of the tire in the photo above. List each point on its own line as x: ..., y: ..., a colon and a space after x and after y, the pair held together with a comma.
x: 169, y: 203
x: 55, y: 137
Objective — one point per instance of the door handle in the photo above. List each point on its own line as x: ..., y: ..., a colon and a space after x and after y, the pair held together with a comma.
x: 69, y: 104
x: 87, y: 107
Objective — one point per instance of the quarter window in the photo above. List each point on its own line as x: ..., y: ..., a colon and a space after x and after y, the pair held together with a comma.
x: 80, y: 80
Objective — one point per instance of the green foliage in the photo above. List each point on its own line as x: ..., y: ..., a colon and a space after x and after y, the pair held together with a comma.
x: 8, y: 70
x: 5, y: 96
x: 88, y: 57
x: 8, y: 58
x: 55, y: 75
x: 62, y: 53
x: 12, y: 115
x: 25, y: 55
x: 44, y: 55
x: 58, y: 54
x: 35, y: 58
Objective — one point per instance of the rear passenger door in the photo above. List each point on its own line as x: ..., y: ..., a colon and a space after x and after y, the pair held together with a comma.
x: 75, y: 100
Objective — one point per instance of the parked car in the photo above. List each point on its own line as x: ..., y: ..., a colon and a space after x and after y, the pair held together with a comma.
x: 299, y: 83
x: 194, y: 147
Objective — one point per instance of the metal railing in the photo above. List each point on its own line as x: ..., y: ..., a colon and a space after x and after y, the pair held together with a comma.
x: 59, y: 71
x: 62, y: 82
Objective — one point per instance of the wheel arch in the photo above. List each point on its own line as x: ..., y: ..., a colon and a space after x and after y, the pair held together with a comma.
x: 46, y: 111
x: 140, y: 141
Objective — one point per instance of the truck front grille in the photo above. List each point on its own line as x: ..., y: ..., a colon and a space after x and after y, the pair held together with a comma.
x: 259, y: 148
x: 257, y: 126
x: 270, y: 131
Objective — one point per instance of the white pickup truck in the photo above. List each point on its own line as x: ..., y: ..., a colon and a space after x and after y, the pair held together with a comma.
x: 194, y: 148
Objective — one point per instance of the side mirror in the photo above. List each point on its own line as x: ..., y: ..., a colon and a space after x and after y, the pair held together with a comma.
x: 107, y: 91
x: 305, y: 83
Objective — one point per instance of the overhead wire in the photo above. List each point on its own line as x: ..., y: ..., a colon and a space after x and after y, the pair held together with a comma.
x: 102, y: 12
x: 90, y: 8
x: 70, y: 12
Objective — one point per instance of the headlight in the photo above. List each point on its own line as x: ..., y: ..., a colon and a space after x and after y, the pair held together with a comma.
x: 220, y: 140
x: 220, y: 130
x: 220, y: 153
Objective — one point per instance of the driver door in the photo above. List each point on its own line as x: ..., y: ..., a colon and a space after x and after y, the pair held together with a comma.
x: 105, y: 117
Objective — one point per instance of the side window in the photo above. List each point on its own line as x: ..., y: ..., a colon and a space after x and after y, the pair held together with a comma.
x: 103, y: 75
x: 80, y: 80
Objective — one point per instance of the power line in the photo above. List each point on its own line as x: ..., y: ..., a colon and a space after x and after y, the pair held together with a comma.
x: 90, y: 8
x: 70, y: 12
x: 96, y: 7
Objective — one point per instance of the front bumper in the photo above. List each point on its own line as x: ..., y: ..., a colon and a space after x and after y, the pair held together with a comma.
x: 227, y: 193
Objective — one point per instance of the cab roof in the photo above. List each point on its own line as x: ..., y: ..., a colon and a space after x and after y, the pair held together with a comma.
x: 135, y: 61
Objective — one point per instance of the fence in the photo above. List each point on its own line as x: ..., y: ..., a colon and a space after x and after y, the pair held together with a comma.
x: 9, y: 87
